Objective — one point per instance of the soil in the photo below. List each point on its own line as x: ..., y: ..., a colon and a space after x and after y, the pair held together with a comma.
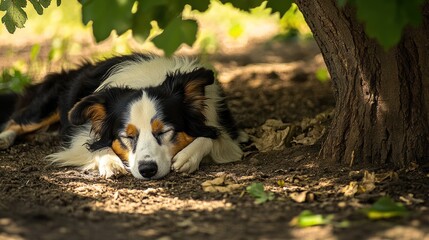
x: 275, y: 80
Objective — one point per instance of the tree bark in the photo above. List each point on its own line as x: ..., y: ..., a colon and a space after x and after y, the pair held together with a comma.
x: 382, y: 97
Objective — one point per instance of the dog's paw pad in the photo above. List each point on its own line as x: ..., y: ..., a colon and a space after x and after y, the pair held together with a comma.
x: 110, y: 165
x: 7, y: 138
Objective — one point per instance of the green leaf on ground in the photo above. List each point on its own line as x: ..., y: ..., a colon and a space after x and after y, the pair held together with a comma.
x: 385, y: 207
x: 257, y: 191
x: 307, y: 219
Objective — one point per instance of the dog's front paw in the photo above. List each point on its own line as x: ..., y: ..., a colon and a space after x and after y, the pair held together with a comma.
x: 6, y: 139
x: 110, y: 165
x: 186, y: 163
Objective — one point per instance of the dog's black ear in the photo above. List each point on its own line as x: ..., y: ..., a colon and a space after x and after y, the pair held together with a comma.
x: 89, y: 108
x: 97, y: 106
x: 195, y: 102
x: 194, y: 84
x: 183, y: 95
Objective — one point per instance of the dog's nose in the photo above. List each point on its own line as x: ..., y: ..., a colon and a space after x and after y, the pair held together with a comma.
x: 148, y: 169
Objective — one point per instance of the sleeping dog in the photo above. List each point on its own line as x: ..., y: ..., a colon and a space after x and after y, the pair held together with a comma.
x: 137, y: 113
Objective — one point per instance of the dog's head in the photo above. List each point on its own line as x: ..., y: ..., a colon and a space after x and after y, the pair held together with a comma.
x: 147, y: 127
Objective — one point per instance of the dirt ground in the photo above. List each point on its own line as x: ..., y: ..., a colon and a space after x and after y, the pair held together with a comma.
x: 271, y: 81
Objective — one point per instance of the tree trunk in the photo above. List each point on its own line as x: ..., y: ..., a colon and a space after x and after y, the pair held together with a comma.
x: 382, y: 97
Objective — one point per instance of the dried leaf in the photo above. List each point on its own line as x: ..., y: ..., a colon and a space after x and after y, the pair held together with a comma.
x: 220, y: 184
x: 391, y: 175
x: 368, y: 182
x: 366, y: 185
x: 217, y: 181
x: 273, y: 135
x: 351, y: 189
x: 410, y: 200
x: 299, y: 197
x: 313, y: 128
x: 209, y: 189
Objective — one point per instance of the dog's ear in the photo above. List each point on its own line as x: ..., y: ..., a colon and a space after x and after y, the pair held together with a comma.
x: 97, y: 106
x: 89, y: 108
x: 194, y: 86
x: 194, y: 99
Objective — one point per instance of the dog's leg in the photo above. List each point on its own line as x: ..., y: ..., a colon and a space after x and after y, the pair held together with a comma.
x: 188, y: 159
x: 77, y: 154
x: 227, y: 150
x: 109, y: 164
x: 105, y: 160
x: 7, y: 138
x: 14, y: 128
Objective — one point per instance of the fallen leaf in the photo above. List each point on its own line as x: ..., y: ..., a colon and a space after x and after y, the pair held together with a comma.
x: 299, y: 197
x: 257, y: 191
x: 351, y: 189
x: 220, y: 184
x: 307, y: 219
x: 391, y: 175
x: 281, y: 183
x: 368, y: 182
x: 209, y: 188
x: 313, y: 128
x: 273, y: 135
x: 385, y: 207
x: 410, y: 200
x: 214, y: 182
x: 365, y: 186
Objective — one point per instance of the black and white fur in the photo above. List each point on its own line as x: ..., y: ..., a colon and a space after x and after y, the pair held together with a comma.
x: 139, y: 113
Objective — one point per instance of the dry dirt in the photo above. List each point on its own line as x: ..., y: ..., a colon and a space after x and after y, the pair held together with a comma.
x: 271, y: 81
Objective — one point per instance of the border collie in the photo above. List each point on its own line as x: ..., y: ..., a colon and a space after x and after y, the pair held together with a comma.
x: 137, y: 113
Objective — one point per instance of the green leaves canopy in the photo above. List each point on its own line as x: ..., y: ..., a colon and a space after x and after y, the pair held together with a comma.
x: 384, y: 20
x: 15, y: 16
x: 121, y: 15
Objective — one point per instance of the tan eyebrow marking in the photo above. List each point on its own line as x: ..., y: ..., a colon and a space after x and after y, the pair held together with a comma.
x: 157, y: 126
x: 131, y: 130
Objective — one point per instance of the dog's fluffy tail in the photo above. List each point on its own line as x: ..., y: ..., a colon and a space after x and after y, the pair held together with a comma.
x: 8, y: 103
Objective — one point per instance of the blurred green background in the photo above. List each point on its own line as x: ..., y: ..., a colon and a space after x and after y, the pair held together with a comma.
x: 58, y: 39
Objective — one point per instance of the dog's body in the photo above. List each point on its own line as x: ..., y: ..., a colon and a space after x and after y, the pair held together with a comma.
x: 141, y: 113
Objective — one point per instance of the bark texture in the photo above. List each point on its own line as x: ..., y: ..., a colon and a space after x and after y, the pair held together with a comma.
x: 382, y: 98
